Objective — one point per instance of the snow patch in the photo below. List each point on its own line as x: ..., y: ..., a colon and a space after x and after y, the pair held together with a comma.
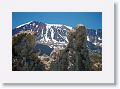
x: 94, y: 43
x: 46, y: 38
x: 80, y: 25
x: 68, y: 27
x: 88, y: 38
x: 100, y: 44
x: 36, y: 26
x: 42, y: 33
x: 96, y: 32
x: 52, y: 33
x: 58, y: 25
x: 99, y: 38
x: 23, y: 24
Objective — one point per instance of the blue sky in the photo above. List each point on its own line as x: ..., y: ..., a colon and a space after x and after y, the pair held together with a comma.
x: 89, y: 19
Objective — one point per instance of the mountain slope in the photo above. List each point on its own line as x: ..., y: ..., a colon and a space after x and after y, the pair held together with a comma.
x: 55, y: 35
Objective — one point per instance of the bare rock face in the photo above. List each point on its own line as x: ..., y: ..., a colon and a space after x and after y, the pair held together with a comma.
x: 75, y: 55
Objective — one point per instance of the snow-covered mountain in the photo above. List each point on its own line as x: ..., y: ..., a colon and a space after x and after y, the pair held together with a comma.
x: 50, y: 34
x: 55, y: 35
x: 94, y: 40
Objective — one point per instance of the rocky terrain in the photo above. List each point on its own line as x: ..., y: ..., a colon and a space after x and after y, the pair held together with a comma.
x: 38, y: 46
x: 55, y: 35
x: 75, y: 56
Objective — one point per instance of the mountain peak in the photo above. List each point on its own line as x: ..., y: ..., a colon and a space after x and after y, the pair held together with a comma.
x: 24, y: 24
x: 80, y: 25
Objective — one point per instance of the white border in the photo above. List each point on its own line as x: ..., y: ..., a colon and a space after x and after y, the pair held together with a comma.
x: 9, y: 6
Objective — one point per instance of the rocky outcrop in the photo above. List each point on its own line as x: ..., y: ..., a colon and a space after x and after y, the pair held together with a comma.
x: 75, y: 56
x: 27, y: 56
x: 48, y: 60
x: 23, y: 56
